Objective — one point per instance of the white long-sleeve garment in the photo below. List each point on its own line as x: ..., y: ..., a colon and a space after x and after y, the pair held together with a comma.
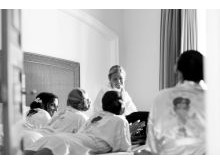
x: 109, y: 133
x: 178, y: 133
x: 71, y: 120
x: 129, y: 105
x: 38, y: 120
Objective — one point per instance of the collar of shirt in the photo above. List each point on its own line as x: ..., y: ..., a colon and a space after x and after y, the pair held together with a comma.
x: 191, y: 84
x: 71, y: 109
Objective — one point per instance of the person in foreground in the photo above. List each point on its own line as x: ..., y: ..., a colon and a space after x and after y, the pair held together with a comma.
x: 177, y: 121
x: 107, y: 132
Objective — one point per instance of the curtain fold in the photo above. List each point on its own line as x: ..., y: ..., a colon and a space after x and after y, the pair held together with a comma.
x: 178, y: 33
x: 189, y: 32
x: 169, y: 45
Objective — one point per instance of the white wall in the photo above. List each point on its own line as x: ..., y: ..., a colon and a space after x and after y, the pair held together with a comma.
x: 139, y: 48
x: 58, y: 34
x: 202, y: 41
x: 113, y: 19
x: 213, y: 81
x: 142, y: 50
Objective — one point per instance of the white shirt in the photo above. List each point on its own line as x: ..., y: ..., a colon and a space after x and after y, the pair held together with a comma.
x: 69, y: 121
x: 167, y: 133
x: 129, y: 105
x: 38, y: 120
x: 110, y: 134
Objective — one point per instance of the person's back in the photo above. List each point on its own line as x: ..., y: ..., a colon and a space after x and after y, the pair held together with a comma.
x: 183, y: 132
x: 177, y: 118
x: 38, y: 120
x: 108, y: 132
x: 71, y: 121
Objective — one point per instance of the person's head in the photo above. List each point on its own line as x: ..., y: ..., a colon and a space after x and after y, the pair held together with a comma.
x: 47, y: 101
x: 116, y: 77
x: 112, y: 102
x: 78, y: 99
x: 190, y: 65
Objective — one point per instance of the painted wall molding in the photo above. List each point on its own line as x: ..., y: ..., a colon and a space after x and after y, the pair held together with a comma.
x: 100, y: 28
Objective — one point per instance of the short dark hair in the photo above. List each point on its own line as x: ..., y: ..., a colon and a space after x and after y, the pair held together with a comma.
x: 112, y: 102
x: 190, y: 64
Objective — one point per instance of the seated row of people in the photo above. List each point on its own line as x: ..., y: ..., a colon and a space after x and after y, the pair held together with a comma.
x: 107, y: 131
x: 116, y: 78
x: 41, y: 122
x: 176, y: 124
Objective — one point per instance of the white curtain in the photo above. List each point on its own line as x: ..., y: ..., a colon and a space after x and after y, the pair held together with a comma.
x: 178, y: 33
x: 189, y: 33
x: 169, y: 45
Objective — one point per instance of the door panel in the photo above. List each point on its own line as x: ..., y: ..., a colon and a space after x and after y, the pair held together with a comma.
x: 11, y: 81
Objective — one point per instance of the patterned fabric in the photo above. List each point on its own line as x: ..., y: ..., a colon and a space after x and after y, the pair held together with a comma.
x: 177, y: 121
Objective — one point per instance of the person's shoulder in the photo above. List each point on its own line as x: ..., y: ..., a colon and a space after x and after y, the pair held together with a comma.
x: 162, y: 93
x: 74, y: 113
x: 82, y: 115
x: 39, y: 119
x: 118, y: 119
x: 42, y: 112
x: 163, y: 96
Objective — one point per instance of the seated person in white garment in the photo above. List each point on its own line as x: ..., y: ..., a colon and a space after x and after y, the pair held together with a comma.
x: 70, y: 120
x: 73, y: 118
x: 107, y: 132
x: 116, y: 77
x: 177, y: 120
x: 41, y: 110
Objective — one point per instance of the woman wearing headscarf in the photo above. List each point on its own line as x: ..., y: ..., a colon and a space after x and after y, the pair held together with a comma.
x: 116, y: 77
